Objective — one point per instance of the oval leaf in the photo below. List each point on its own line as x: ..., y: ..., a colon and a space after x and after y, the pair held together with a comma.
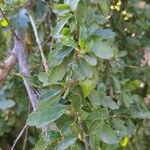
x: 65, y: 143
x: 102, y: 50
x: 47, y: 115
x: 107, y: 134
x: 60, y: 25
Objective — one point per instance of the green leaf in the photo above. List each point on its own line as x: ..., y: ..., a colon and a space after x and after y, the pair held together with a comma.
x: 120, y: 128
x: 3, y: 22
x: 94, y: 142
x: 117, y: 123
x: 107, y: 134
x: 78, y: 73
x: 129, y: 99
x: 95, y: 98
x: 61, y: 9
x: 40, y: 9
x: 104, y: 7
x: 43, y: 77
x: 102, y: 49
x: 126, y: 99
x: 94, y: 126
x: 76, y: 146
x: 50, y: 94
x: 82, y: 70
x: 69, y: 42
x: 100, y: 113
x: 132, y: 85
x: 82, y: 36
x: 62, y: 6
x: 41, y: 144
x: 51, y: 136
x: 131, y: 128
x: 88, y: 45
x: 46, y: 115
x: 73, y: 3
x: 91, y: 60
x: 81, y: 13
x: 76, y: 102
x: 116, y: 85
x: 140, y: 115
x: 57, y: 74
x: 108, y: 102
x: 76, y: 129
x: 105, y: 33
x: 60, y: 25
x: 101, y: 87
x: 5, y: 104
x: 83, y: 33
x: 66, y: 129
x: 89, y: 84
x: 66, y: 31
x: 65, y: 143
x: 58, y: 55
x: 43, y: 104
x: 86, y: 69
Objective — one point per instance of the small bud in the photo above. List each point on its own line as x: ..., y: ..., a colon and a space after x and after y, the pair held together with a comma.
x: 124, y: 12
x: 126, y: 18
x: 118, y: 3
x: 142, y: 85
x: 133, y: 35
x: 117, y: 8
x: 112, y: 7
x: 125, y: 29
x: 107, y: 25
x: 108, y: 17
x: 130, y: 15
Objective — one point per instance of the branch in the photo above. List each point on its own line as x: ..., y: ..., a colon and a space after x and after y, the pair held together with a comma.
x: 24, y: 70
x: 6, y: 66
x: 26, y: 130
x: 18, y: 137
x: 85, y: 137
x: 39, y: 43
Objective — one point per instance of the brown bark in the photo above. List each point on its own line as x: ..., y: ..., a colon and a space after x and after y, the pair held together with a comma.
x: 6, y: 66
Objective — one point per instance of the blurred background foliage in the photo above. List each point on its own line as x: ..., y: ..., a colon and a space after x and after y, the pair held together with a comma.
x: 128, y: 23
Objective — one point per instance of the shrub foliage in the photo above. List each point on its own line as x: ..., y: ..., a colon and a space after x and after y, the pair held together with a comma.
x: 94, y: 94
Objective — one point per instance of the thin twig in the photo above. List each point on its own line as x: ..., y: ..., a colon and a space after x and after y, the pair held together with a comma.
x: 18, y: 137
x: 39, y: 43
x: 25, y: 139
x: 27, y: 129
x: 85, y: 137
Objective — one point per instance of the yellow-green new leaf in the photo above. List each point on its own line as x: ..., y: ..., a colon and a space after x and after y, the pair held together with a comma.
x: 89, y: 84
x: 60, y: 25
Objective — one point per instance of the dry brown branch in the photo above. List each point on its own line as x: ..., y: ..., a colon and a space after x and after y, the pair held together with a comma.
x: 6, y: 66
x: 24, y: 69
